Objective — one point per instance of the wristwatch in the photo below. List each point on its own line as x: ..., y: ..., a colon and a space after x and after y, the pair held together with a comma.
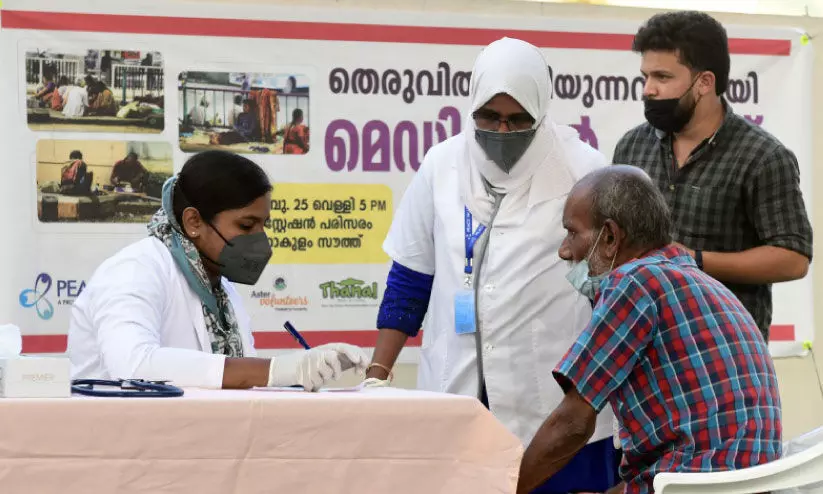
x: 698, y: 259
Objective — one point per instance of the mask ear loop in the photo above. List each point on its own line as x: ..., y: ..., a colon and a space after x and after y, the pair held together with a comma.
x: 178, y: 189
x: 591, y: 251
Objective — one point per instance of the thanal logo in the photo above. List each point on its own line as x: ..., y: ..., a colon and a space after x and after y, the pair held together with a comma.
x: 349, y: 292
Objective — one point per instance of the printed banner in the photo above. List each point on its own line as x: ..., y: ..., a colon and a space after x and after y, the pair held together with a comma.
x: 339, y: 107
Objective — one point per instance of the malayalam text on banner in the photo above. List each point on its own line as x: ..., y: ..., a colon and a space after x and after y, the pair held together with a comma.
x: 329, y: 223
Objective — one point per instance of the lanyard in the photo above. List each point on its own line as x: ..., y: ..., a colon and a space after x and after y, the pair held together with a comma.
x: 471, y: 239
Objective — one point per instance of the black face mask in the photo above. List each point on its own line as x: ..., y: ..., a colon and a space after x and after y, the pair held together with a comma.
x: 669, y: 115
x: 243, y: 259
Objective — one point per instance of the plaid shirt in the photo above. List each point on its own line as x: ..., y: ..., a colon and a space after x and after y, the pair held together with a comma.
x: 739, y: 189
x: 684, y: 368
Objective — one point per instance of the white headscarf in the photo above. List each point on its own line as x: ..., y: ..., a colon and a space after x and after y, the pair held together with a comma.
x: 516, y: 68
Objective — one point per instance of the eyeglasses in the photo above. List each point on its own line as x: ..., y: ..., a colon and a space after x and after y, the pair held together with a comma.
x: 491, y: 120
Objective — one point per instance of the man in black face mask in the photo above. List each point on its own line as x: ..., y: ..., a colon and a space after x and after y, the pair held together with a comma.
x: 733, y: 189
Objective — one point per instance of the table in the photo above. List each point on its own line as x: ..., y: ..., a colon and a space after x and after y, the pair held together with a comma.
x: 372, y: 441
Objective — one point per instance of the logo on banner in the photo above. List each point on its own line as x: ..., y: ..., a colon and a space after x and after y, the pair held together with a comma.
x: 278, y: 301
x: 37, y: 297
x: 350, y: 292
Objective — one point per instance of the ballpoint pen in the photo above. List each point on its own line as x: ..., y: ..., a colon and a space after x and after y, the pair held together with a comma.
x: 344, y: 360
x: 296, y: 335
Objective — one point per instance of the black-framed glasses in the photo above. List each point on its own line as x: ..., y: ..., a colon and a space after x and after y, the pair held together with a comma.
x: 491, y: 120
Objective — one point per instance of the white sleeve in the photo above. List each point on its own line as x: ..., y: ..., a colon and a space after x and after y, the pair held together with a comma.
x: 410, y: 241
x: 126, y: 310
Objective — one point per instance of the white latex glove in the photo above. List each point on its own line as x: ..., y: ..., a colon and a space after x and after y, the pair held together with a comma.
x: 373, y: 382
x: 314, y: 368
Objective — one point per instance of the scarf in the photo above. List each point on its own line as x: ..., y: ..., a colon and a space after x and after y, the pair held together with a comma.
x: 516, y: 68
x: 221, y: 323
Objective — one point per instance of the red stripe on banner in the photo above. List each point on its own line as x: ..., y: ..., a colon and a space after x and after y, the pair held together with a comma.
x: 45, y: 343
x: 246, y: 28
x: 273, y: 340
x: 781, y: 332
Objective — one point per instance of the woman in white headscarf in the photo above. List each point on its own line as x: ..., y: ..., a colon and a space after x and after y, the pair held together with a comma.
x: 480, y: 227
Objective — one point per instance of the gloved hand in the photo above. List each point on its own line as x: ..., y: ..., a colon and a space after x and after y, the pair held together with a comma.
x: 315, y: 367
x: 373, y: 382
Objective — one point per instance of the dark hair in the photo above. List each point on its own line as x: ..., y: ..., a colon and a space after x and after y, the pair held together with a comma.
x: 249, y: 102
x: 627, y: 196
x: 217, y: 181
x: 297, y: 113
x: 238, y: 99
x: 132, y: 154
x: 76, y: 155
x: 698, y: 39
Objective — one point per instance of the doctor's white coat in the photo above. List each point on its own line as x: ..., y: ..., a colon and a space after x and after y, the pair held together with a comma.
x: 138, y: 318
x: 529, y: 314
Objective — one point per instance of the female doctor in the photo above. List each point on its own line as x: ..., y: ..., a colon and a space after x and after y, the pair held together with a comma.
x: 164, y: 307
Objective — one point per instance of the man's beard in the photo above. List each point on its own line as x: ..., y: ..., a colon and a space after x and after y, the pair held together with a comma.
x: 598, y: 266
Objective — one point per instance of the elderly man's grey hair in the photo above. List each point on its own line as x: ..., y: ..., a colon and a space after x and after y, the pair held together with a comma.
x: 627, y: 196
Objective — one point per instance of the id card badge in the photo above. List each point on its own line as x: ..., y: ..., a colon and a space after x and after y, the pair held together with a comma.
x: 464, y: 316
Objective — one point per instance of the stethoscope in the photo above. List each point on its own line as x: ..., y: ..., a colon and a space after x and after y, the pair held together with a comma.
x: 126, y: 388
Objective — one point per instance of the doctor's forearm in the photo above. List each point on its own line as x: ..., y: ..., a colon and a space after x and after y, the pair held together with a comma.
x: 389, y: 344
x: 244, y: 373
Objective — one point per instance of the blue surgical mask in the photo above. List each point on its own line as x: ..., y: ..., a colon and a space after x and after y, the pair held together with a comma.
x: 582, y: 282
x: 579, y: 276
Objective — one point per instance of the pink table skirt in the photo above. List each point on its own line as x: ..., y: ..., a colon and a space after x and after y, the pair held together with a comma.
x: 373, y: 441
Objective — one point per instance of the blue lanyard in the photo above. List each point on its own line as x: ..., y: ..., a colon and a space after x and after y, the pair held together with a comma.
x: 471, y: 239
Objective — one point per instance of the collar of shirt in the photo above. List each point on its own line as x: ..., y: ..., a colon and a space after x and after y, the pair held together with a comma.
x: 670, y: 253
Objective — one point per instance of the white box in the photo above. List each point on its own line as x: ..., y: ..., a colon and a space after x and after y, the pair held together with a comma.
x: 35, y: 377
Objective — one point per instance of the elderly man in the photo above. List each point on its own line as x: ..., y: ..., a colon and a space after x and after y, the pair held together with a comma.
x: 677, y: 356
x: 477, y: 229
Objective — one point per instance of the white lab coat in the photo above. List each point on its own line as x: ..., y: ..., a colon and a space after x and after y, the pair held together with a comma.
x: 528, y: 314
x: 138, y: 318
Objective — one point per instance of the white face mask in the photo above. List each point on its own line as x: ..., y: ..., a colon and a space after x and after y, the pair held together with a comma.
x: 579, y: 275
